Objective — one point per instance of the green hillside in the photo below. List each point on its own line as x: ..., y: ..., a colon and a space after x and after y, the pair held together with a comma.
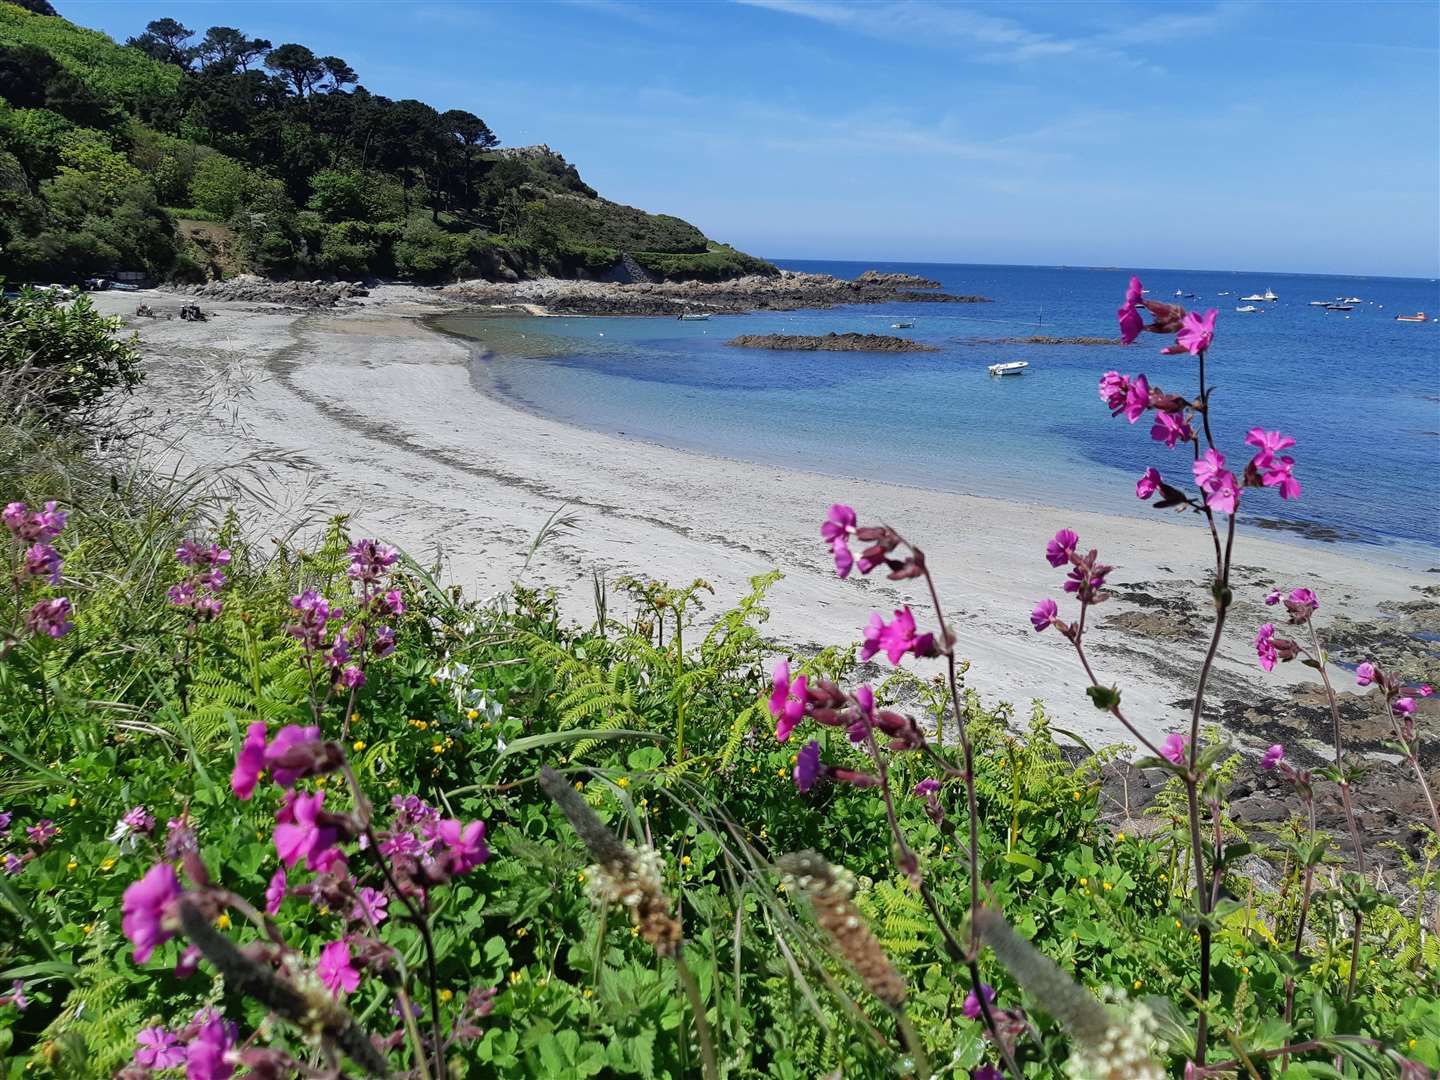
x: 302, y: 171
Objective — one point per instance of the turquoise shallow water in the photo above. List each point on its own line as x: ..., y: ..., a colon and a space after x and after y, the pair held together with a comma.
x: 1360, y: 394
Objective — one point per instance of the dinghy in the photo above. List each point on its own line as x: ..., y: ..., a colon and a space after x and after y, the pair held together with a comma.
x: 1014, y: 367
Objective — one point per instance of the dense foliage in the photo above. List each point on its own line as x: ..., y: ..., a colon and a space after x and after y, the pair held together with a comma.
x: 59, y: 356
x: 649, y: 841
x: 103, y: 148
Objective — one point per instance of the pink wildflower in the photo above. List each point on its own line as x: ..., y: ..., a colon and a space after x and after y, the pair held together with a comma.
x: 1171, y: 428
x: 1272, y: 470
x: 305, y: 837
x: 1196, y: 333
x: 807, y: 766
x: 1130, y: 322
x: 971, y: 1008
x: 1173, y: 749
x: 208, y: 1055
x: 1273, y: 597
x: 1138, y: 399
x: 145, y: 909
x: 1405, y: 706
x: 159, y: 1049
x: 50, y: 618
x: 334, y: 968
x: 282, y: 771
x: 1148, y: 484
x: 1114, y: 389
x: 1425, y: 690
x: 1044, y: 614
x: 836, y: 530
x: 1365, y: 674
x: 465, y: 844
x: 250, y: 762
x: 896, y: 638
x: 1272, y: 757
x: 42, y: 560
x: 1264, y: 646
x: 1221, y: 491
x: 42, y: 832
x: 275, y: 891
x: 1059, y: 550
x: 370, y: 905
x: 787, y: 701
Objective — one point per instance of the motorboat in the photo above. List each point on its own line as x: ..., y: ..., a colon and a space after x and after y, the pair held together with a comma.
x: 1351, y: 300
x: 903, y: 325
x: 695, y: 317
x: 1014, y: 367
x: 1339, y: 307
x: 1419, y: 316
x: 1321, y: 303
x: 1249, y: 307
x: 1266, y: 297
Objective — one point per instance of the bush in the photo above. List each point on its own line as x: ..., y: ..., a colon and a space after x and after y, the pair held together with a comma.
x: 220, y: 185
x: 61, y: 357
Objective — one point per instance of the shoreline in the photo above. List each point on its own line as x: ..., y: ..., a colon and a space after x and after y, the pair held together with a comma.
x: 450, y: 471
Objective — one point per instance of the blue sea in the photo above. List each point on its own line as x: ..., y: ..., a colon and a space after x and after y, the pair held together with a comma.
x: 1359, y: 391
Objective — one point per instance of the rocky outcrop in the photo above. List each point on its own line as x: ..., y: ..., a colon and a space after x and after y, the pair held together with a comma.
x: 831, y: 342
x: 247, y: 288
x: 896, y: 281
x: 785, y: 291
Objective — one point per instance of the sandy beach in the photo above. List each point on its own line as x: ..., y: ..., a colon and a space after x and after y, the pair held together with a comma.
x: 364, y: 410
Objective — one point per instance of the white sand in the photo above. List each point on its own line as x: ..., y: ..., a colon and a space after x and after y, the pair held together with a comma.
x: 370, y: 413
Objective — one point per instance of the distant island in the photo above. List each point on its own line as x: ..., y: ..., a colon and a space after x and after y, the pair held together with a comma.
x: 831, y: 342
x: 185, y: 157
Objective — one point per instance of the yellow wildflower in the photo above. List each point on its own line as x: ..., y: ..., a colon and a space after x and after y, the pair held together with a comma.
x: 73, y: 800
x: 223, y: 922
x: 1138, y: 984
x: 587, y: 992
x: 438, y: 748
x: 1120, y: 837
x: 88, y: 928
x: 684, y: 860
x: 579, y: 785
x: 1107, y: 886
x: 624, y: 781
x: 1084, y: 882
x: 446, y: 995
x: 71, y: 865
x: 106, y: 864
x: 581, y: 877
x: 472, y: 714
x: 358, y: 745
x: 521, y: 932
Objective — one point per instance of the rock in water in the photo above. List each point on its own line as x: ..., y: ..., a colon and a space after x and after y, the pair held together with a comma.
x: 831, y: 342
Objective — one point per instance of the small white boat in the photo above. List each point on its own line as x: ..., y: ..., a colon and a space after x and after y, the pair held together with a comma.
x: 701, y: 317
x: 1351, y: 300
x: 1339, y: 307
x: 1248, y: 307
x: 1265, y: 297
x: 1419, y: 316
x: 904, y: 325
x: 1319, y: 303
x: 1014, y: 367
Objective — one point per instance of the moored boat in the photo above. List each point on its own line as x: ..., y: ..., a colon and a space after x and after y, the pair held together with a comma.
x: 905, y: 324
x: 1014, y: 367
x: 1419, y: 316
x: 695, y: 317
x: 1248, y: 307
x: 1339, y: 307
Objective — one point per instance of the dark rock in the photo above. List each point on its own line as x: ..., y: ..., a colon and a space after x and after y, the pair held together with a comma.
x: 831, y: 342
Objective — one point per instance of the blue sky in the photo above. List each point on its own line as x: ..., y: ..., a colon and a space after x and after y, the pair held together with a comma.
x: 1295, y: 136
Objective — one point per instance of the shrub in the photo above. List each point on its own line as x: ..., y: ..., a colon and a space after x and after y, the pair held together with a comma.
x: 61, y: 356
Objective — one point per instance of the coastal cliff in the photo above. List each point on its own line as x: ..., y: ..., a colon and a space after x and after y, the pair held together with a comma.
x: 183, y: 157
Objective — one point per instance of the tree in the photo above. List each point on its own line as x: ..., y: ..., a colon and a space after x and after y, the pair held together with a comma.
x: 338, y: 72
x: 297, y: 64
x: 225, y: 50
x: 39, y: 7
x: 473, y: 135
x: 164, y: 40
